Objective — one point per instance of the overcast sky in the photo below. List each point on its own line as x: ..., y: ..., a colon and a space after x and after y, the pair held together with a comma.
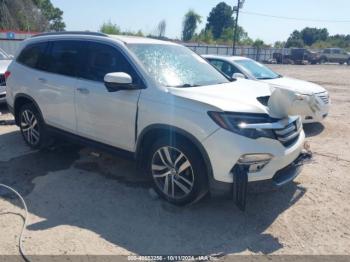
x: 145, y: 15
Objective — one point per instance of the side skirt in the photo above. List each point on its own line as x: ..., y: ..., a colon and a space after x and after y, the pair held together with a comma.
x: 56, y: 132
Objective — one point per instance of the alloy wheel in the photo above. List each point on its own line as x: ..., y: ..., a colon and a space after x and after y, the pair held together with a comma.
x: 30, y: 127
x: 172, y: 172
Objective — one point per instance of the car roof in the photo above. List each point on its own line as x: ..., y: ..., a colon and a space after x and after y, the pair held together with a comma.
x: 227, y: 58
x: 86, y: 35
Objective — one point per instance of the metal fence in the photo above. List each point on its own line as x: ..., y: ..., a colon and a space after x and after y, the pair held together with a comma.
x: 10, y: 46
x: 259, y: 54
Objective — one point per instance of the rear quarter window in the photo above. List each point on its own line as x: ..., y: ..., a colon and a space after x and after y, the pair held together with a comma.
x: 32, y: 55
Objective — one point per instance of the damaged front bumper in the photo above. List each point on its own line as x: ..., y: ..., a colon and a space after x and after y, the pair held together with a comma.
x: 282, y: 177
x: 289, y: 173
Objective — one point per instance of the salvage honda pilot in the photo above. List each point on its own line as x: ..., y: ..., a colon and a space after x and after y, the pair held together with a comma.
x: 192, y: 129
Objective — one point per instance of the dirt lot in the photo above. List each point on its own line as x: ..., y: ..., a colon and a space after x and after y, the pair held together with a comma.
x: 83, y: 204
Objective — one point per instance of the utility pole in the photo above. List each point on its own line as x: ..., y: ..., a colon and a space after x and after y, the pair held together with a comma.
x: 235, y: 33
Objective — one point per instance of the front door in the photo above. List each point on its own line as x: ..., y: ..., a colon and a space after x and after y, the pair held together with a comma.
x: 106, y: 117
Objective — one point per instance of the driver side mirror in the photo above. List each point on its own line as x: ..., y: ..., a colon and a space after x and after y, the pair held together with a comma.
x: 238, y: 75
x: 119, y: 81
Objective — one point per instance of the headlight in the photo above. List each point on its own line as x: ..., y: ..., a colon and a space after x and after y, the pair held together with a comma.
x: 237, y: 122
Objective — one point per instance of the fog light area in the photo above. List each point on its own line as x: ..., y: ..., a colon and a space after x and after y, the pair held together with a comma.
x: 256, y: 162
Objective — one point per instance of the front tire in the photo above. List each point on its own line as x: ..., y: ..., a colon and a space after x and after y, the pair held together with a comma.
x: 177, y: 170
x: 32, y: 127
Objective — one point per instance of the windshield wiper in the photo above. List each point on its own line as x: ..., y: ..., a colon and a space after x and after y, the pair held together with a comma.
x: 265, y: 78
x: 185, y: 85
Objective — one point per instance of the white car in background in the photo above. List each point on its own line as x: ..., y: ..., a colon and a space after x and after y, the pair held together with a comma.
x: 242, y: 67
x: 5, y: 60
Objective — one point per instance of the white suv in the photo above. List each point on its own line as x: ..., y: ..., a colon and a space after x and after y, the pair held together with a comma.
x: 192, y: 129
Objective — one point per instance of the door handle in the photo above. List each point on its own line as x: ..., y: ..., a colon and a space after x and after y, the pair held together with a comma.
x: 82, y: 90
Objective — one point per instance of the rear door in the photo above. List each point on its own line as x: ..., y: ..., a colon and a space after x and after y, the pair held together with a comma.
x: 106, y: 117
x: 59, y: 81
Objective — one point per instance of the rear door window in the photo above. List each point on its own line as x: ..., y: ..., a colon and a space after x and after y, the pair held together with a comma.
x: 66, y: 57
x: 33, y: 55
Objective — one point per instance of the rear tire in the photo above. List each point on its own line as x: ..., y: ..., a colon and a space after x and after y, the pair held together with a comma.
x: 32, y: 127
x: 177, y: 171
x: 348, y: 62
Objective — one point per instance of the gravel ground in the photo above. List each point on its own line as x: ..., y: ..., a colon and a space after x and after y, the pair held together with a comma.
x: 80, y: 203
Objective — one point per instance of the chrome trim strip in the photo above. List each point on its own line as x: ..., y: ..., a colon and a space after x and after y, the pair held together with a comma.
x: 286, y: 130
x: 286, y: 139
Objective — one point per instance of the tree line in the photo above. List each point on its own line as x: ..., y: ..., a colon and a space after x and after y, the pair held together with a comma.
x: 30, y: 15
x: 219, y: 28
x: 315, y: 38
x: 41, y: 15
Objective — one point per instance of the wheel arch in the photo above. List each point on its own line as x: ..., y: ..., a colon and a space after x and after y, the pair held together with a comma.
x: 152, y: 132
x: 19, y: 101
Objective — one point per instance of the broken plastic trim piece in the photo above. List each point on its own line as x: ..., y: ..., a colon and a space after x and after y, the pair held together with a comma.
x: 240, y: 185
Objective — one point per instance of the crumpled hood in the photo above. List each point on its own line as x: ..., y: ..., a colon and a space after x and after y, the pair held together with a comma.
x: 3, y: 65
x: 238, y: 96
x: 241, y: 97
x: 297, y: 85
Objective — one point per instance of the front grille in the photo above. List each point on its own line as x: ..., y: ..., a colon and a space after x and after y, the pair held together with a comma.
x: 290, y: 133
x: 2, y: 80
x: 324, y: 97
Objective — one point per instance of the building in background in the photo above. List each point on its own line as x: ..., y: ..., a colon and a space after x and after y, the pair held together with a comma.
x: 10, y: 40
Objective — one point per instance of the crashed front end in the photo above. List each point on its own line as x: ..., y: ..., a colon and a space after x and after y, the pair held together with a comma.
x: 271, y: 146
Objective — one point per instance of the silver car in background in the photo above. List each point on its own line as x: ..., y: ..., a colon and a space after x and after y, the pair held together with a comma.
x: 5, y: 60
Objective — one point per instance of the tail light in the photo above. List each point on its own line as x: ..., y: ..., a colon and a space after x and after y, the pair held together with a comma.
x: 7, y: 75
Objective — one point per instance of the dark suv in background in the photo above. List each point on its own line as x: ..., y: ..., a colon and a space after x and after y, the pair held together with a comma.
x: 335, y: 55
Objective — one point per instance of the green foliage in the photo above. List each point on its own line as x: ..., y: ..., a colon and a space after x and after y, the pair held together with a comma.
x: 295, y: 40
x: 258, y: 43
x: 110, y: 28
x: 280, y: 44
x: 53, y: 14
x: 113, y: 29
x: 30, y: 15
x: 313, y: 35
x: 220, y: 19
x: 246, y: 42
x: 205, y: 36
x: 317, y: 38
x: 191, y: 21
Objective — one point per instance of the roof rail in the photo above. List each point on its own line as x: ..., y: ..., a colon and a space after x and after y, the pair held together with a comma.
x: 71, y: 33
